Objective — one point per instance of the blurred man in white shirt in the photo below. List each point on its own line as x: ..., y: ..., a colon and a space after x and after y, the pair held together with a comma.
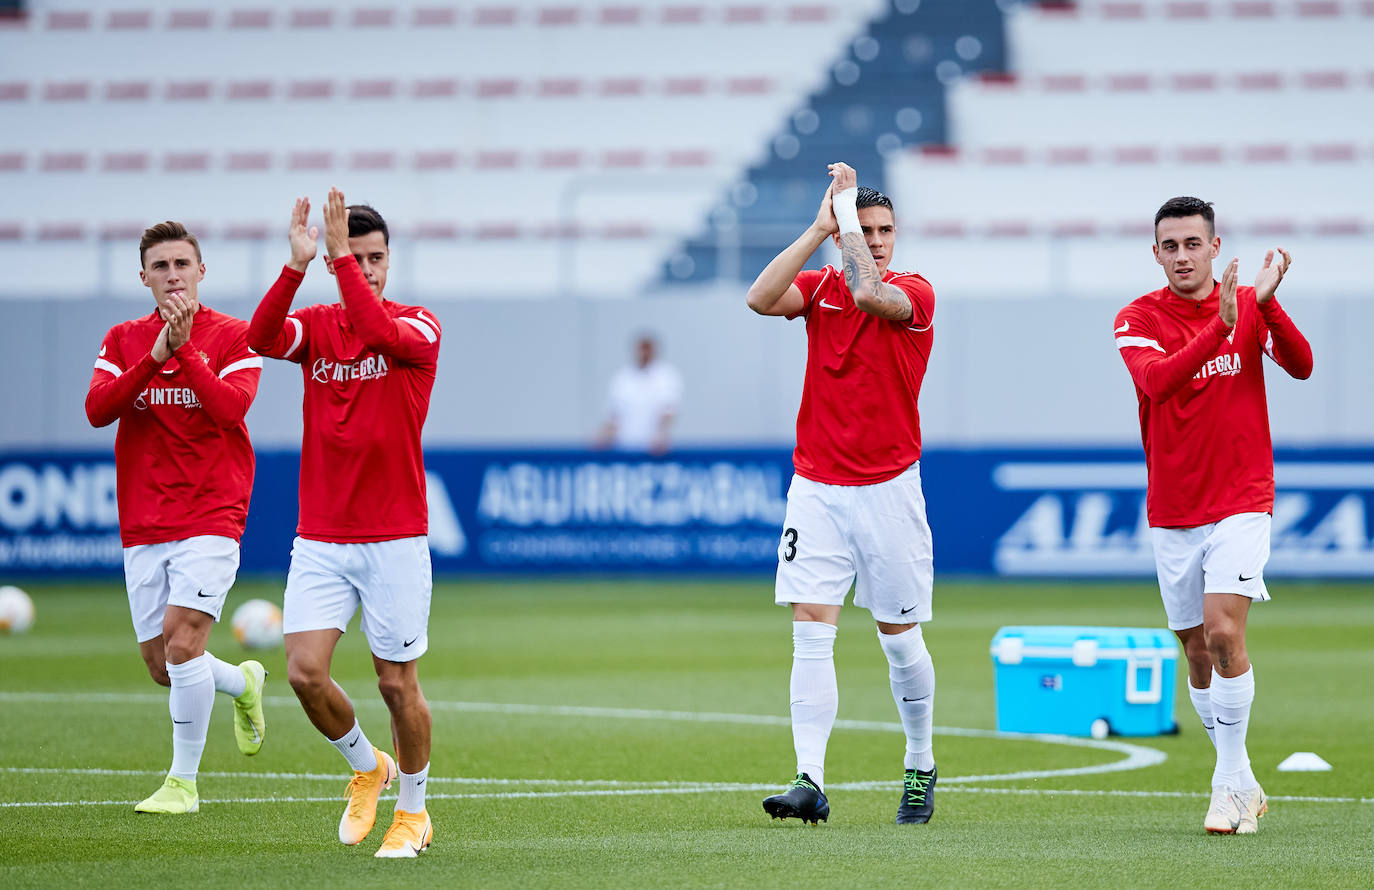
x: 642, y: 403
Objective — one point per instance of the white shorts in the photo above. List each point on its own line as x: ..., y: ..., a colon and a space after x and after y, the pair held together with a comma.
x: 1226, y: 556
x: 194, y: 573
x: 874, y: 537
x: 390, y: 579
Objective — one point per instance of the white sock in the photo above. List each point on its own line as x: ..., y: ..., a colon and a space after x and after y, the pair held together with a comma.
x: 912, y: 673
x: 356, y: 749
x: 228, y: 678
x: 1202, y: 703
x: 1231, y: 700
x: 411, y: 798
x: 815, y: 695
x: 190, y: 703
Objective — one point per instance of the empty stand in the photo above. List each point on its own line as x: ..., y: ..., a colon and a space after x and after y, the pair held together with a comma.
x: 1057, y: 164
x: 586, y: 136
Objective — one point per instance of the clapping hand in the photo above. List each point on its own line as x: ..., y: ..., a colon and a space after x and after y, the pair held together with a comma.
x: 1267, y: 281
x: 336, y: 225
x: 1226, y: 307
x: 304, y: 238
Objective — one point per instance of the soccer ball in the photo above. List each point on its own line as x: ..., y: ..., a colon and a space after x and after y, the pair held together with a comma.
x: 16, y: 611
x: 257, y: 625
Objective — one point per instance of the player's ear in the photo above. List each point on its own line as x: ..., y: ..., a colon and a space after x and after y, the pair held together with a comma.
x: 1216, y: 246
x: 1155, y: 248
x: 329, y: 262
x: 836, y: 238
x: 202, y: 272
x: 143, y: 277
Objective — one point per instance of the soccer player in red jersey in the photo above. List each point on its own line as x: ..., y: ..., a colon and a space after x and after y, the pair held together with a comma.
x: 1194, y: 351
x: 855, y: 510
x: 369, y: 366
x: 179, y: 381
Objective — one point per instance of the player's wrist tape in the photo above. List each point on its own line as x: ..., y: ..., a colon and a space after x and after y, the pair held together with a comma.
x: 846, y: 206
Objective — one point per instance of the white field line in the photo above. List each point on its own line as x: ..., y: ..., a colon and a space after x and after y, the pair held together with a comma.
x: 696, y: 788
x: 1137, y: 756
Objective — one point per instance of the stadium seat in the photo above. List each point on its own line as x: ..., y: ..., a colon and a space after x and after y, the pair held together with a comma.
x: 519, y: 121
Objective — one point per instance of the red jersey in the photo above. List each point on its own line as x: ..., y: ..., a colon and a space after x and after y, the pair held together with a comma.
x: 369, y: 367
x: 1204, y: 418
x: 858, y: 422
x: 183, y: 462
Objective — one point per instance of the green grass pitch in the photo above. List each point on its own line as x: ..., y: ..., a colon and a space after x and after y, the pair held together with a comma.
x: 623, y: 733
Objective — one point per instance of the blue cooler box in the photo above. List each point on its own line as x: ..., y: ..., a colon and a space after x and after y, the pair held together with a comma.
x: 1062, y: 679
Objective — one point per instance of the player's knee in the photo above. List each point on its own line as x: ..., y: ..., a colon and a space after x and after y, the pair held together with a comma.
x: 308, y: 680
x: 181, y: 649
x: 1225, y: 641
x: 398, y: 690
x: 905, y: 648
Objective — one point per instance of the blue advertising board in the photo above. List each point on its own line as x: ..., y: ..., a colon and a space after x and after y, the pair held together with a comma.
x: 1010, y: 512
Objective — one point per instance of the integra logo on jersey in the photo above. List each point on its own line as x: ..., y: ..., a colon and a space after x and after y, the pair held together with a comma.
x: 1221, y: 366
x: 167, y: 395
x: 373, y: 367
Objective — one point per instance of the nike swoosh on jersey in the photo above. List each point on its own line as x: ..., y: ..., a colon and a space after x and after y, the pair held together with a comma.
x: 1125, y: 326
x: 828, y: 306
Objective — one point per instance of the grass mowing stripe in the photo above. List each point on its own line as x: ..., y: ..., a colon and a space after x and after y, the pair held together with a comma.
x: 1137, y: 756
x: 704, y: 788
x: 340, y: 776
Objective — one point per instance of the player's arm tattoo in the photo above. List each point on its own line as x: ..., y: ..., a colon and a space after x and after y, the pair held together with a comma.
x: 871, y: 293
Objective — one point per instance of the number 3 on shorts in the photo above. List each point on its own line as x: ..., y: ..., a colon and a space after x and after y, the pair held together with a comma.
x: 790, y: 536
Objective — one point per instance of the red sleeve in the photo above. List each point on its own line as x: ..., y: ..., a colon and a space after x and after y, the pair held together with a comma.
x: 414, y: 340
x: 272, y: 332
x: 1283, y: 342
x: 1158, y: 374
x: 114, y: 387
x: 922, y: 297
x: 808, y: 281
x: 224, y: 396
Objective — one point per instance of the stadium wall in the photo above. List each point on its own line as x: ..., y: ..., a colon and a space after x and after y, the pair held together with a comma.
x: 1041, y: 372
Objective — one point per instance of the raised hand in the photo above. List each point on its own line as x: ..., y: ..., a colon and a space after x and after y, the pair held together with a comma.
x: 826, y: 223
x: 1226, y: 307
x: 304, y: 238
x: 1267, y: 281
x: 336, y: 225
x: 843, y: 176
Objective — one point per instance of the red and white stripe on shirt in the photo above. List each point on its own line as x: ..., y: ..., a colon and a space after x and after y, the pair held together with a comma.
x: 183, y: 460
x: 369, y: 367
x: 1204, y: 418
x: 858, y: 423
